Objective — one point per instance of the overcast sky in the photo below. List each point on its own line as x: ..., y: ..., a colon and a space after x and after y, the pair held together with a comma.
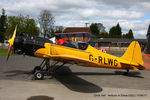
x: 131, y: 14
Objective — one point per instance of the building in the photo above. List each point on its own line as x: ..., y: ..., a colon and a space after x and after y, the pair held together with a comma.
x: 147, y: 50
x: 76, y: 34
x: 84, y: 34
x: 116, y: 42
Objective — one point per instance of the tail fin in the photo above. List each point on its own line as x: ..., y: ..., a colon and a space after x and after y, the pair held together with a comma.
x: 133, y: 54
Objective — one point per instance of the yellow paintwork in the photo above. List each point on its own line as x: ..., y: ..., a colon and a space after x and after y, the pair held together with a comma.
x: 133, y: 54
x: 11, y: 42
x: 91, y: 57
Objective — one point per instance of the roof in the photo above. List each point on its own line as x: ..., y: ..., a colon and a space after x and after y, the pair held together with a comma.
x: 73, y: 33
x: 117, y: 40
x: 77, y: 29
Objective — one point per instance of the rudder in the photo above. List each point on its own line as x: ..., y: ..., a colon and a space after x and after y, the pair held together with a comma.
x: 133, y: 54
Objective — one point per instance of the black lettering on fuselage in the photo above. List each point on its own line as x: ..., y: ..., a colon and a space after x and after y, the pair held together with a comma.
x: 91, y: 57
x: 110, y: 61
x: 100, y: 59
x: 115, y: 62
x: 105, y: 61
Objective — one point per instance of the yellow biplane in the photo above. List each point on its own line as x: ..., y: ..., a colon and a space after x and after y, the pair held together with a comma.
x: 88, y: 57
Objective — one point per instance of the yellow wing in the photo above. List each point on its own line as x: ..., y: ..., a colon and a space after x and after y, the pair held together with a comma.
x: 74, y: 60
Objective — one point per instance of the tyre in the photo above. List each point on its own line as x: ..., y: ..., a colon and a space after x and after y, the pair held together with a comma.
x: 38, y: 75
x: 37, y: 68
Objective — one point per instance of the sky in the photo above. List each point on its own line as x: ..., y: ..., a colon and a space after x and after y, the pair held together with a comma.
x: 130, y: 14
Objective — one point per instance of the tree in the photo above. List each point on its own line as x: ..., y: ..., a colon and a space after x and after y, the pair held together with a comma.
x: 3, y: 25
x: 97, y: 29
x: 124, y: 36
x: 31, y: 27
x: 129, y: 35
x: 94, y: 29
x: 24, y: 24
x: 59, y: 29
x: 115, y: 31
x: 118, y: 31
x: 101, y: 28
x: 103, y: 35
x: 112, y: 32
x: 46, y: 21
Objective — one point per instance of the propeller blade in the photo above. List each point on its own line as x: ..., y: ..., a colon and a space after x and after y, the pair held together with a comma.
x: 11, y: 42
x: 9, y: 52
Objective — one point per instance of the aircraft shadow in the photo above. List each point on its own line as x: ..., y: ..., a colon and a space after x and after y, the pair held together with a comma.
x: 17, y: 73
x: 92, y: 73
x: 130, y: 74
x: 67, y: 78
x: 74, y: 83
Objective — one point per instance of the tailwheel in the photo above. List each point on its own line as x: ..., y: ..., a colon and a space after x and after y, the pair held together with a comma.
x: 126, y: 73
x: 37, y: 68
x: 39, y: 75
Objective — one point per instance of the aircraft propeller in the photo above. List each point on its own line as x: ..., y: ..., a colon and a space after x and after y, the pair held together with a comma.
x: 11, y: 42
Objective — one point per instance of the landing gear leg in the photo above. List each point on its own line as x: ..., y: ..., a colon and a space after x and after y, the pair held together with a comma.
x: 46, y: 70
x: 38, y: 68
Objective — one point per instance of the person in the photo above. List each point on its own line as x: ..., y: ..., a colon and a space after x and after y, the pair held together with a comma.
x: 61, y: 41
x: 58, y: 41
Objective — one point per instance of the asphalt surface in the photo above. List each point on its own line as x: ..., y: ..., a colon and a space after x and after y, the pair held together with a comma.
x: 70, y: 82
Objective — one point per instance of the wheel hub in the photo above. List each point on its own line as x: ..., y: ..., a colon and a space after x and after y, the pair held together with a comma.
x: 39, y: 75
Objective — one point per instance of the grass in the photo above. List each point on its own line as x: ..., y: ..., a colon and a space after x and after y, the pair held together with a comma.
x: 3, y: 52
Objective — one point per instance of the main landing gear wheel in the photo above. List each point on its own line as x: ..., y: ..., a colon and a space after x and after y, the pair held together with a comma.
x: 46, y: 68
x: 38, y: 75
x: 37, y: 68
